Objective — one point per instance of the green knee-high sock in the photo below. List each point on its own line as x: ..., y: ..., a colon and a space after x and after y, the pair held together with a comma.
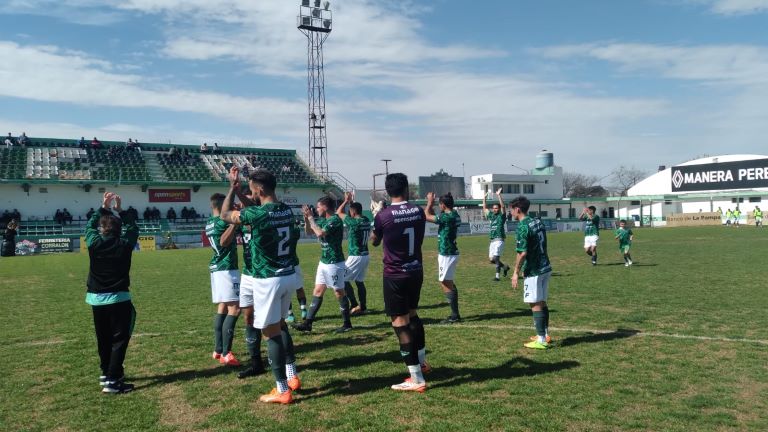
x: 276, y: 353
x: 350, y: 294
x: 363, y: 293
x: 538, y: 321
x: 228, y: 332
x: 453, y: 300
x: 344, y: 306
x: 314, y: 307
x: 253, y: 343
x: 290, y: 354
x: 218, y: 322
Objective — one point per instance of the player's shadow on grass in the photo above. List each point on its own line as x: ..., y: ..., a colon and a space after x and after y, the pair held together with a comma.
x: 444, y: 377
x: 348, y: 339
x: 186, y: 375
x: 354, y: 360
x: 633, y: 264
x: 597, y: 337
x: 500, y: 315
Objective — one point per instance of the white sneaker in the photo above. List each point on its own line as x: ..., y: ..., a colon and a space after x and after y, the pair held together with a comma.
x: 409, y: 385
x: 630, y: 262
x: 626, y: 264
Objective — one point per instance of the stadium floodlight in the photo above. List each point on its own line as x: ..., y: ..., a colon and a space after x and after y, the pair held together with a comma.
x: 305, y: 20
x: 327, y: 5
x: 327, y: 23
x: 316, y: 13
x: 305, y: 3
x: 317, y: 3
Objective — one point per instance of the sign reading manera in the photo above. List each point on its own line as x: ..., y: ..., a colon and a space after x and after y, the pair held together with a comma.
x: 748, y: 174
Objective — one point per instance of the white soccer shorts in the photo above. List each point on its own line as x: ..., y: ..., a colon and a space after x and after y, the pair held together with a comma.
x: 331, y: 275
x: 272, y: 298
x: 357, y: 267
x: 225, y: 286
x: 590, y: 241
x: 496, y: 248
x: 536, y: 288
x: 246, y: 291
x: 298, y: 277
x: 446, y: 267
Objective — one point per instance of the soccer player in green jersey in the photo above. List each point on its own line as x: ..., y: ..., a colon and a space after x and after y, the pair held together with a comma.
x: 329, y: 229
x: 225, y: 281
x: 273, y: 283
x: 625, y: 236
x: 108, y: 285
x: 448, y: 252
x: 359, y: 229
x: 758, y: 214
x: 591, y: 232
x: 737, y: 217
x: 533, y: 262
x: 498, y: 217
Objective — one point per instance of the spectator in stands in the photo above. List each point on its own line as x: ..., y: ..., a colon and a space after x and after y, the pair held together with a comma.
x: 133, y: 212
x: 16, y: 215
x: 57, y: 217
x: 96, y: 144
x: 216, y: 148
x: 23, y: 140
x: 82, y: 143
x: 193, y: 213
x: 245, y: 169
x: 6, y: 217
x: 129, y: 144
x: 171, y: 214
x: 8, y: 246
x: 155, y: 213
x: 147, y: 214
x: 66, y: 216
x: 204, y: 148
x: 90, y: 213
x: 137, y: 146
x: 8, y: 141
x: 185, y: 213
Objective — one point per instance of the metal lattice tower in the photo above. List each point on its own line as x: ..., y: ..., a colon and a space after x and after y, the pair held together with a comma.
x: 316, y: 24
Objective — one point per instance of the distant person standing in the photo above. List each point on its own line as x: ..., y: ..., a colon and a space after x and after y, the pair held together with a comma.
x: 8, y: 247
x: 758, y: 214
x: 591, y: 232
x: 108, y: 282
x: 728, y: 217
x: 448, y: 223
x: 498, y: 234
x: 737, y: 217
x: 625, y: 236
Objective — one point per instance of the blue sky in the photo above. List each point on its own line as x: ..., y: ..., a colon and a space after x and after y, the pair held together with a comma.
x: 428, y: 84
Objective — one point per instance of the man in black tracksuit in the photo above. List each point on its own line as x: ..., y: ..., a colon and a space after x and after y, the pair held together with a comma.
x: 108, y: 282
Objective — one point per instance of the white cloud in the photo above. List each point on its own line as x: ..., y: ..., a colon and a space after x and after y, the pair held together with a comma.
x: 739, y: 7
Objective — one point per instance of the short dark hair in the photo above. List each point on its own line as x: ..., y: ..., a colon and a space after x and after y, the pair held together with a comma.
x: 111, y: 224
x: 495, y: 205
x: 217, y: 201
x: 396, y: 185
x: 328, y: 202
x: 265, y: 179
x: 623, y: 221
x: 357, y: 207
x: 593, y: 208
x: 521, y: 203
x: 447, y: 200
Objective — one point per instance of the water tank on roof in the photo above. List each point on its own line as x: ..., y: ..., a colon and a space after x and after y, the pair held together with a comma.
x: 545, y: 159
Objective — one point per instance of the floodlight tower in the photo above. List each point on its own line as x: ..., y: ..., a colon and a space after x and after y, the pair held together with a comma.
x: 316, y: 24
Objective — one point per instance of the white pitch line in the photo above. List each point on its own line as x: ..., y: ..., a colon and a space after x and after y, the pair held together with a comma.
x: 459, y: 326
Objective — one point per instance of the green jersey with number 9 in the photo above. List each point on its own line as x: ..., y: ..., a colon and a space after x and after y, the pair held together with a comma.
x: 273, y: 246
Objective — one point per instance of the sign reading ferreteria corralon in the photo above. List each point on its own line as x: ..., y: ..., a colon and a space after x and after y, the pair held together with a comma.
x: 746, y: 174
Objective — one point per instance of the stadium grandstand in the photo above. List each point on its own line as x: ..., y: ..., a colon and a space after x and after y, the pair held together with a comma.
x: 172, y: 181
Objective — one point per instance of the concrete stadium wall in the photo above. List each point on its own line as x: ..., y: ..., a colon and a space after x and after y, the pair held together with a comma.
x: 37, y: 205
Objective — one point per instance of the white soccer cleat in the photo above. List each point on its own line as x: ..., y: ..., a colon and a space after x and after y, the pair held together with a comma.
x: 409, y: 385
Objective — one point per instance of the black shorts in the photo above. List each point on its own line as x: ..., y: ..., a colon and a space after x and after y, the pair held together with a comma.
x: 401, y: 295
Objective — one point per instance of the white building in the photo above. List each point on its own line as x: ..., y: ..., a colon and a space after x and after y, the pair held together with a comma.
x: 701, y: 185
x: 541, y: 183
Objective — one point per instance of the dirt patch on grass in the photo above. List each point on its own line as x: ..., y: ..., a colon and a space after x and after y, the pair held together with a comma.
x: 175, y: 411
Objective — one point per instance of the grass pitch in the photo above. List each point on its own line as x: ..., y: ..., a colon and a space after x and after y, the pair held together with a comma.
x: 674, y: 343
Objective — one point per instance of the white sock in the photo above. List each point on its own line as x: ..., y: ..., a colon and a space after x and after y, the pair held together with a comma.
x: 497, y: 275
x: 422, y: 355
x: 542, y: 339
x: 416, y: 375
x: 290, y: 370
x: 282, y: 386
x: 303, y: 307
